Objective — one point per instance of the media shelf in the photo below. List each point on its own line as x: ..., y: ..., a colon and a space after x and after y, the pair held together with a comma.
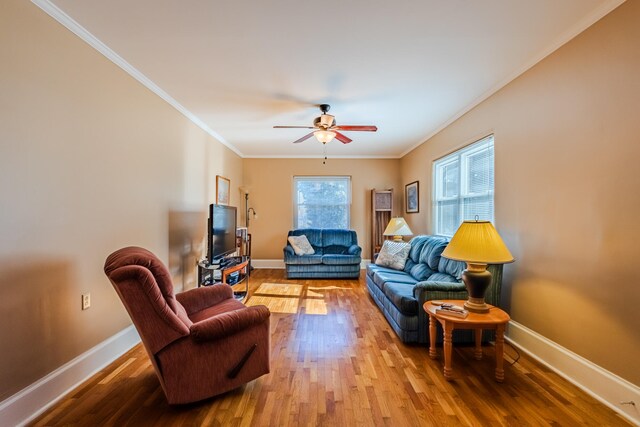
x: 231, y: 271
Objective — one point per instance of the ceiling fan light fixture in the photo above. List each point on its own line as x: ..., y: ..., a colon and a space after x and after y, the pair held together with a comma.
x: 324, y: 136
x: 326, y: 120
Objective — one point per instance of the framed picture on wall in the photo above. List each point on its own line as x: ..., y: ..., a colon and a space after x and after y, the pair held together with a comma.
x: 411, y: 198
x: 223, y: 186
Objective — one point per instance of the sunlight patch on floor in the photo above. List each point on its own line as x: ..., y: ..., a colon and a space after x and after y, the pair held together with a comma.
x: 275, y: 304
x: 287, y: 289
x: 315, y: 306
x: 312, y: 294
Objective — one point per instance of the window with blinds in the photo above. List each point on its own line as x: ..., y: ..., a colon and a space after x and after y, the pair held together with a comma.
x: 463, y: 187
x: 321, y: 201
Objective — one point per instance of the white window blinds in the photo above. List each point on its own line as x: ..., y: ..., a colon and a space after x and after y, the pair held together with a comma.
x: 463, y: 187
x: 321, y: 201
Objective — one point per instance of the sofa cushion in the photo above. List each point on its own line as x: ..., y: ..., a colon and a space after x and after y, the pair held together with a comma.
x: 332, y: 259
x: 401, y: 295
x: 442, y: 277
x: 380, y: 277
x: 431, y: 251
x: 304, y: 259
x: 393, y: 254
x: 416, y: 247
x: 301, y: 245
x: 372, y: 268
x: 335, y: 250
x: 420, y: 272
x: 452, y: 267
x: 408, y: 265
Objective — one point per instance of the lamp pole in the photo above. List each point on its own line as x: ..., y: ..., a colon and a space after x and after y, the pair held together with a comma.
x: 246, y: 210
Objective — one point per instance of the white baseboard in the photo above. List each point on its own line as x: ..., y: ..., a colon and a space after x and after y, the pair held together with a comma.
x: 30, y: 402
x: 596, y: 381
x: 278, y: 263
x: 267, y: 263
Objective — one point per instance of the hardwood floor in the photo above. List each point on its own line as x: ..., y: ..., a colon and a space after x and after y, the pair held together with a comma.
x: 335, y: 361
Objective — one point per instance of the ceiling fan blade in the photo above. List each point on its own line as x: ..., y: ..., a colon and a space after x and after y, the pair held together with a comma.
x: 343, y: 138
x: 307, y: 136
x: 294, y: 127
x: 356, y: 128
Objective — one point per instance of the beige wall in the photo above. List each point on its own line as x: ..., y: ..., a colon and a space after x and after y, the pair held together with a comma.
x: 271, y: 183
x: 567, y: 144
x: 90, y: 161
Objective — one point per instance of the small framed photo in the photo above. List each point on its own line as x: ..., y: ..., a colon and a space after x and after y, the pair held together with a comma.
x: 223, y: 186
x: 411, y: 197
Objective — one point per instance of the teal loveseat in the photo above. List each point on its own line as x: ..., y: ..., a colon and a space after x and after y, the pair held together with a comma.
x: 426, y: 276
x: 337, y: 255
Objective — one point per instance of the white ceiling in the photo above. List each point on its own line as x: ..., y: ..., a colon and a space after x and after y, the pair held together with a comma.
x: 410, y: 67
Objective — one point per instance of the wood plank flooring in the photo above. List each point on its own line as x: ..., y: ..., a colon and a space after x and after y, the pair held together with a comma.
x: 336, y: 362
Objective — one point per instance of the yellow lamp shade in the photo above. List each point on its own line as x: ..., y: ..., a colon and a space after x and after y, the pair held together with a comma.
x: 397, y: 227
x: 478, y: 242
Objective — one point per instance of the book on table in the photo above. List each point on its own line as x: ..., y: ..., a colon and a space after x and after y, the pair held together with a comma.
x: 452, y: 310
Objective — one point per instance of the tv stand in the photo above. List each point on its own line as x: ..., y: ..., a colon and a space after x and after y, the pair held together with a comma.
x: 233, y: 271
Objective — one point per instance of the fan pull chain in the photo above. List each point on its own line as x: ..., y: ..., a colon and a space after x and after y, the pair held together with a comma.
x: 324, y: 151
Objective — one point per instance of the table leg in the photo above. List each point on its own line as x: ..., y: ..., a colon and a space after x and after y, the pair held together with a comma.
x: 477, y: 352
x: 432, y: 337
x: 500, y: 353
x: 448, y: 332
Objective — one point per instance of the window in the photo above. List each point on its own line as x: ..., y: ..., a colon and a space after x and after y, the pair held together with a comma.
x: 321, y: 201
x: 463, y: 187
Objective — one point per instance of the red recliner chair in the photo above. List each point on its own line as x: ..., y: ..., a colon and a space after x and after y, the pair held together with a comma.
x: 201, y: 342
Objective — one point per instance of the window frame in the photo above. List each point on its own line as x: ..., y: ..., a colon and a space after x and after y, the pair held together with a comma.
x: 326, y: 178
x: 460, y: 156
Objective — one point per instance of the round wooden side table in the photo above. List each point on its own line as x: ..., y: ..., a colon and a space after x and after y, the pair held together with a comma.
x: 495, y: 319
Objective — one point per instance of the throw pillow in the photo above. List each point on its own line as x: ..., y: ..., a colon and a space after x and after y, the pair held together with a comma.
x: 393, y: 254
x: 301, y: 245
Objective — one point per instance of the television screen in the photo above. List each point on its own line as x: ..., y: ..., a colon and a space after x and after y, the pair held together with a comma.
x: 222, y: 231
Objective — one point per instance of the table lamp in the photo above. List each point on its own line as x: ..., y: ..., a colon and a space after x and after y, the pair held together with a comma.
x: 477, y: 243
x: 397, y: 228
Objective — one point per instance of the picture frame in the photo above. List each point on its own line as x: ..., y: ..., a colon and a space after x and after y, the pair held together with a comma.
x: 223, y: 187
x: 412, y: 197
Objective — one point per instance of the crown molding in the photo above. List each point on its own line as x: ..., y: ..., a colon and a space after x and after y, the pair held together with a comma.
x: 321, y: 157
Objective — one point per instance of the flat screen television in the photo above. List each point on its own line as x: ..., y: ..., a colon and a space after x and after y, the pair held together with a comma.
x: 222, y: 232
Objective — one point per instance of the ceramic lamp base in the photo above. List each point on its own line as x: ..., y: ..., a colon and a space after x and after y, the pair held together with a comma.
x: 477, y: 279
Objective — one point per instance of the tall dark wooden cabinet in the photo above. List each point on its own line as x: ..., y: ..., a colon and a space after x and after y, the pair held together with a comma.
x: 381, y: 212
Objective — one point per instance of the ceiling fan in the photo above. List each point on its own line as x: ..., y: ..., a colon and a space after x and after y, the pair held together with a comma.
x: 326, y: 128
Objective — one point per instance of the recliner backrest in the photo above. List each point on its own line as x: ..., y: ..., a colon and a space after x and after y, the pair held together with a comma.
x: 146, y: 290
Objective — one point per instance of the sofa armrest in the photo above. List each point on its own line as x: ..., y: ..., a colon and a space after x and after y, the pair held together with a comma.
x: 288, y: 251
x: 198, y: 299
x: 422, y: 287
x: 229, y: 323
x: 354, y: 250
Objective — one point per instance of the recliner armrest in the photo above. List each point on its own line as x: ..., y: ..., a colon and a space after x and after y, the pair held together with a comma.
x: 354, y: 250
x: 198, y: 299
x: 229, y: 323
x: 425, y: 286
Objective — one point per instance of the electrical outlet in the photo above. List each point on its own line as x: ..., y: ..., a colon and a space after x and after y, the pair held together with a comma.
x: 86, y: 301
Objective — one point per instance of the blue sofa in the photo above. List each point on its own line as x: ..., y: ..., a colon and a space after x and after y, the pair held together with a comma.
x: 426, y: 276
x: 337, y: 255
